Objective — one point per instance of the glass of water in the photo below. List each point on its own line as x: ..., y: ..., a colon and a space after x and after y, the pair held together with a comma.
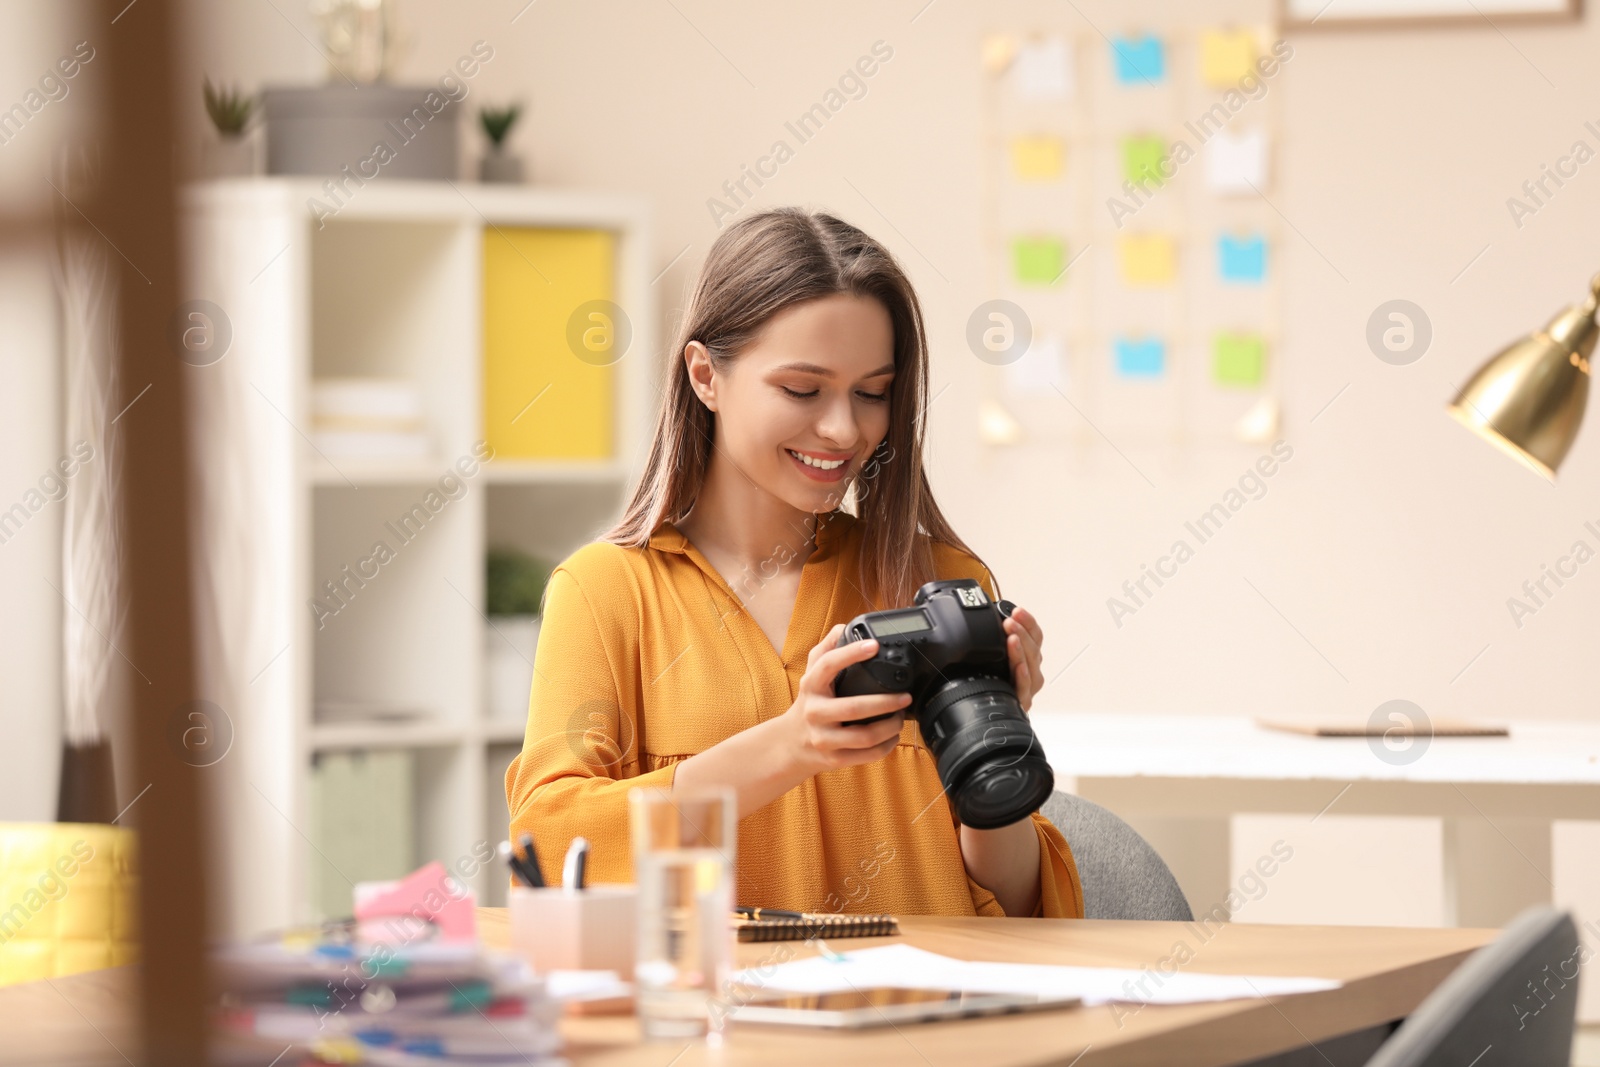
x: 683, y: 852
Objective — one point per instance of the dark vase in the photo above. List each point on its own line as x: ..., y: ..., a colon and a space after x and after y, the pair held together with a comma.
x: 88, y: 783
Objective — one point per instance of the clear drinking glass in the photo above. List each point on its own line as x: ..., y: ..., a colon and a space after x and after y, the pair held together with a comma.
x: 683, y: 853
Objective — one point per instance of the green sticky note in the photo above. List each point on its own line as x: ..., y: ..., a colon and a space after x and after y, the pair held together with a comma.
x: 1038, y: 260
x: 1143, y: 159
x: 1238, y: 358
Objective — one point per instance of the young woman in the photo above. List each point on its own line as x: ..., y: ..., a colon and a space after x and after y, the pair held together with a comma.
x: 696, y: 644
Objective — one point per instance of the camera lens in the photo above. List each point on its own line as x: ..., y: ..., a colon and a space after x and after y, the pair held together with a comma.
x: 990, y: 762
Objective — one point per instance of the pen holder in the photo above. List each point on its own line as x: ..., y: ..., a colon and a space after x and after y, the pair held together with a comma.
x: 591, y: 929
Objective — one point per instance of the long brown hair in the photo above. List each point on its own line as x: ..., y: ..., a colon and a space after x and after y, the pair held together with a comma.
x: 759, y: 266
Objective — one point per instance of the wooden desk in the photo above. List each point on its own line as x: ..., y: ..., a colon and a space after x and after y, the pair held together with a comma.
x: 84, y: 1020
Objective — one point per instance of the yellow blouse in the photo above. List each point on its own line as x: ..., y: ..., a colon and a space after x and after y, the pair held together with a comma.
x: 646, y: 657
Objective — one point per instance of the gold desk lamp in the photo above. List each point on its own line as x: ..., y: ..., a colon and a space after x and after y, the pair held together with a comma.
x: 1528, y: 399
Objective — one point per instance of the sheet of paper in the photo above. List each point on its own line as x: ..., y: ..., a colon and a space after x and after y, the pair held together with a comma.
x: 1042, y: 69
x: 904, y: 966
x: 1226, y: 56
x: 1140, y: 60
x: 1140, y: 357
x: 1042, y: 368
x: 1038, y: 260
x: 1142, y: 159
x: 1237, y: 162
x: 1037, y: 158
x: 1242, y: 259
x: 585, y: 985
x: 1147, y: 259
x: 1238, y: 358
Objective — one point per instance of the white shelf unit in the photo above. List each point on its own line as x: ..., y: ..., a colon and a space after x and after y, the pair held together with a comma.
x: 389, y: 286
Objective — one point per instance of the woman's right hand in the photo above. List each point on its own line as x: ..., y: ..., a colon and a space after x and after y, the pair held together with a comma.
x: 819, y: 742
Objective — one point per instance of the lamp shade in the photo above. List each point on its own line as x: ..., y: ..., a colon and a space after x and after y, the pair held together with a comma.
x: 1528, y: 399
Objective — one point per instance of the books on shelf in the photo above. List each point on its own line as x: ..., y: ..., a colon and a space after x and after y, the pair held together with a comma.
x: 341, y: 711
x: 369, y: 419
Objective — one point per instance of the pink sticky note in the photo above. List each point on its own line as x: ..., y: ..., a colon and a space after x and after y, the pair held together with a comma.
x: 425, y: 893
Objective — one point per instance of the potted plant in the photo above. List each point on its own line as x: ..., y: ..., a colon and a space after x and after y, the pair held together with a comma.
x: 514, y: 586
x: 499, y: 165
x: 232, y: 154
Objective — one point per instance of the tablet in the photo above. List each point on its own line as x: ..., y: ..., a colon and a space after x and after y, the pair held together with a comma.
x: 860, y: 1009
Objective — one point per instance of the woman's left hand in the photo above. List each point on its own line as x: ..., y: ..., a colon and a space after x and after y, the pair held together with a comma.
x: 1024, y: 641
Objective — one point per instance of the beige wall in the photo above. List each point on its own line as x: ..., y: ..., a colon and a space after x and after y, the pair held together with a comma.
x: 1390, y: 542
x: 1392, y: 539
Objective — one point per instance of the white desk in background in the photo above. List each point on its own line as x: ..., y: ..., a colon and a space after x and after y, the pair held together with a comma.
x: 1515, y: 820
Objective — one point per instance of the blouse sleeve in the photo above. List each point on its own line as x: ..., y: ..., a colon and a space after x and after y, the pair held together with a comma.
x: 1060, y: 891
x: 581, y: 754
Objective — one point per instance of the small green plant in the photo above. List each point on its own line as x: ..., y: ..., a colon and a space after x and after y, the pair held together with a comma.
x: 497, y: 121
x: 515, y: 582
x: 229, y: 109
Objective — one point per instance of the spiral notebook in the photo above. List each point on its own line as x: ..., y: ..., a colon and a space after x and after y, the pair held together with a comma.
x: 815, y: 924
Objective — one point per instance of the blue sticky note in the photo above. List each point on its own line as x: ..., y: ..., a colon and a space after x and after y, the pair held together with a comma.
x: 1140, y: 357
x: 1242, y: 259
x: 1139, y: 60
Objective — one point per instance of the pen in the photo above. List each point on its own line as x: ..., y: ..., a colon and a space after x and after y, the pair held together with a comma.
x: 572, y: 871
x: 530, y: 863
x: 766, y: 913
x: 509, y: 857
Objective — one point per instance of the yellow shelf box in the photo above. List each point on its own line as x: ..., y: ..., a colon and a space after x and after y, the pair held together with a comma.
x: 550, y: 337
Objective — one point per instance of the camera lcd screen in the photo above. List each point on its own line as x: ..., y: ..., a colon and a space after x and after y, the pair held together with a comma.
x: 909, y: 622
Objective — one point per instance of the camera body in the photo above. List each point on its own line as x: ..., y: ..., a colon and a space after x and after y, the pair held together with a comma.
x: 948, y: 650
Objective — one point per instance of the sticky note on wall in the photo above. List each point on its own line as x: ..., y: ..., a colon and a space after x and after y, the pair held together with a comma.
x: 1242, y: 259
x: 1042, y: 69
x: 1038, y: 260
x: 1042, y: 368
x: 1226, y: 56
x: 1147, y: 258
x: 1237, y: 163
x: 1138, y: 60
x: 1037, y: 158
x: 1238, y: 358
x: 997, y: 52
x: 1143, y: 159
x: 1139, y: 357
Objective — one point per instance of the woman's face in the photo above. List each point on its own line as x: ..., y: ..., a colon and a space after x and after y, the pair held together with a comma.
x: 803, y: 407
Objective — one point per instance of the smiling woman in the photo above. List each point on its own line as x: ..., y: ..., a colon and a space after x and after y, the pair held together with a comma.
x: 788, y: 447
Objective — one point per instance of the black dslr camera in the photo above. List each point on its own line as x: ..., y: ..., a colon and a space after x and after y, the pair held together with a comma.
x: 949, y: 652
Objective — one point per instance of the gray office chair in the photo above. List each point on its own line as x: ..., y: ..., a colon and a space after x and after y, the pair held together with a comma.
x: 1512, y: 1002
x: 1123, y: 877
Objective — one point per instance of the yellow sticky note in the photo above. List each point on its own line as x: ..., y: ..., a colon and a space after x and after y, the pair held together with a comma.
x: 1226, y: 56
x: 1037, y: 159
x: 1147, y: 259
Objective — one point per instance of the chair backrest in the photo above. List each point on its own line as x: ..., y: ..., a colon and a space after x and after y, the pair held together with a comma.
x: 1123, y: 877
x: 1512, y: 1002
